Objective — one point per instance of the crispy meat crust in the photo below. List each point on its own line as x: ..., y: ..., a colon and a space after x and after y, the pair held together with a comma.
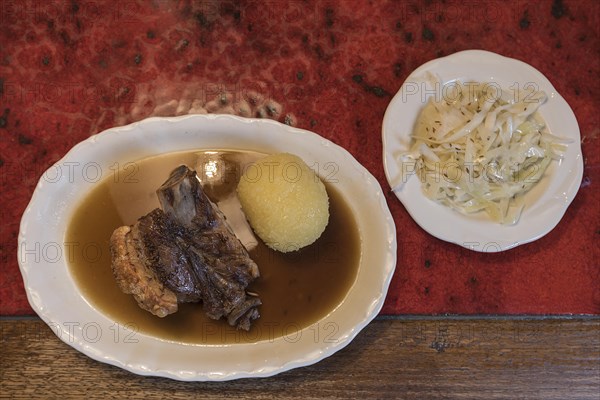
x: 133, y: 277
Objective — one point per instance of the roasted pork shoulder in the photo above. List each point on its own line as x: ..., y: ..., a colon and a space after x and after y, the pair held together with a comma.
x: 185, y: 252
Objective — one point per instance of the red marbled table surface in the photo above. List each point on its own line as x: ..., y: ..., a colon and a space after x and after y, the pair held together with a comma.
x: 69, y: 69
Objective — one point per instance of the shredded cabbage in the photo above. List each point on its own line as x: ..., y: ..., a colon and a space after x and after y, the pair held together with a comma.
x: 481, y: 150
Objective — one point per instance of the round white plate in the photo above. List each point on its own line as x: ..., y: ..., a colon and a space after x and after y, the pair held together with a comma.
x: 54, y: 295
x: 545, y: 204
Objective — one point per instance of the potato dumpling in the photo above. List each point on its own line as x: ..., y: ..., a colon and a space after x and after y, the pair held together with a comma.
x: 285, y: 202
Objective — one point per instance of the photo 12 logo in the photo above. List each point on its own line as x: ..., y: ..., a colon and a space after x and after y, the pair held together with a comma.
x: 119, y: 91
x: 218, y: 170
x: 490, y: 172
x: 93, y: 332
x: 468, y: 91
x: 488, y: 247
x: 489, y: 11
x: 55, y: 252
x: 91, y: 172
x: 289, y: 332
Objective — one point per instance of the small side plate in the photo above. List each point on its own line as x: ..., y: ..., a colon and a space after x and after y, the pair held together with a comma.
x: 545, y: 204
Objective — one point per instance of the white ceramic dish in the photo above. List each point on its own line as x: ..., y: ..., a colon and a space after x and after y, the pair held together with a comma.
x: 54, y: 295
x: 546, y: 203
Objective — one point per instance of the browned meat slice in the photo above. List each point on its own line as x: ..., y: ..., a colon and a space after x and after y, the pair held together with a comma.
x: 134, y: 277
x: 191, y: 251
x: 163, y: 249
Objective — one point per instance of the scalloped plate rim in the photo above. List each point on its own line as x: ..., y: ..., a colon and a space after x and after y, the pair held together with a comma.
x: 45, y: 306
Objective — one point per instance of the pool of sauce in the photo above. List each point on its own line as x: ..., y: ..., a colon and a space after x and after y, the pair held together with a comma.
x: 296, y: 289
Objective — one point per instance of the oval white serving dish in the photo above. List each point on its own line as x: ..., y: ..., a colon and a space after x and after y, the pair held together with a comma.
x: 545, y: 204
x: 54, y: 295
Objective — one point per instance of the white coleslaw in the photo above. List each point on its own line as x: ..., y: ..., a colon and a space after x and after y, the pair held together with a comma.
x: 481, y: 150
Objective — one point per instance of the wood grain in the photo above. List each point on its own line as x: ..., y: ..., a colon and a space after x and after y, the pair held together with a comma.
x: 407, y: 358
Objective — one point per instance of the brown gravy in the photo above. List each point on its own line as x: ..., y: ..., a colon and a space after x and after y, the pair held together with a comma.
x: 297, y: 289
